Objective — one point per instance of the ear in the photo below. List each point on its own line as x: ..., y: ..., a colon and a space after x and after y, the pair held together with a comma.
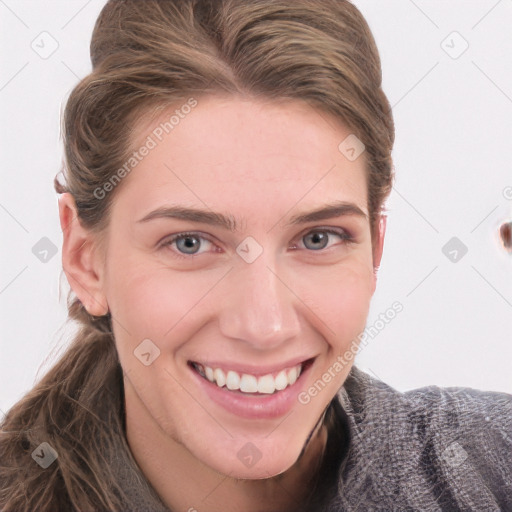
x: 79, y: 259
x: 378, y: 247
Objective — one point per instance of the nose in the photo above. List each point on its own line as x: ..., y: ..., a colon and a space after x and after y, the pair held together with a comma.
x: 259, y: 306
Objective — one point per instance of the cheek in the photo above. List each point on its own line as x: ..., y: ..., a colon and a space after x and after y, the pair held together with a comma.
x: 152, y: 302
x: 353, y: 291
x: 341, y: 299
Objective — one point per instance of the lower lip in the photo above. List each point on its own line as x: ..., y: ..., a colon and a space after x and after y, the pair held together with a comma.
x: 254, y: 406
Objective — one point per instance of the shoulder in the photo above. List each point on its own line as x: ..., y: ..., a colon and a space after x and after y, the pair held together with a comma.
x: 472, y: 415
x: 463, y: 411
x: 429, y: 446
x: 469, y: 431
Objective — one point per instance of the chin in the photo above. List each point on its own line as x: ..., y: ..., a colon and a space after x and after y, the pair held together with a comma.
x: 261, y: 470
x: 254, y: 459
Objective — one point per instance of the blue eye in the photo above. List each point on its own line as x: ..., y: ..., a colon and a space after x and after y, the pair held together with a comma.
x: 320, y: 237
x: 188, y: 244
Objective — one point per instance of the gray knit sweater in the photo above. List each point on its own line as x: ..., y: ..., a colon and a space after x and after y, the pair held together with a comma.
x: 430, y: 449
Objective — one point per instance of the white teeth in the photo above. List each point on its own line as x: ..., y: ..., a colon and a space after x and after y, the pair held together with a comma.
x: 209, y: 374
x: 281, y: 380
x: 233, y: 380
x: 248, y: 383
x: 219, y: 377
x: 266, y: 384
x: 292, y: 375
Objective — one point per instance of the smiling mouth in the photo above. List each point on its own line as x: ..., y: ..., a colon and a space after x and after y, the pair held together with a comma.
x: 248, y: 384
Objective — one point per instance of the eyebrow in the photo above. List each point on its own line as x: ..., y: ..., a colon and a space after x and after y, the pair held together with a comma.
x: 329, y: 211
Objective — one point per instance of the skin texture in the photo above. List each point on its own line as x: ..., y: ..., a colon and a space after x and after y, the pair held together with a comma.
x: 260, y: 162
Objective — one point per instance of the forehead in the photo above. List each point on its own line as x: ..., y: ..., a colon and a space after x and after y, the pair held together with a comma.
x: 235, y: 151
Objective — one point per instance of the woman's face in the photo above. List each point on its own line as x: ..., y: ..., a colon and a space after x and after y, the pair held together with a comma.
x: 260, y: 286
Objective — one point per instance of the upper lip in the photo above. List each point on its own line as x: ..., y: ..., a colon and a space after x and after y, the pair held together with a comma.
x: 253, y: 369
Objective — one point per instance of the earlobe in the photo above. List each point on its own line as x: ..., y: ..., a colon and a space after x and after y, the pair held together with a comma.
x: 79, y: 260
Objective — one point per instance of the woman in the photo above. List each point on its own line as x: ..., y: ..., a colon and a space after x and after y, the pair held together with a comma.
x: 227, y: 165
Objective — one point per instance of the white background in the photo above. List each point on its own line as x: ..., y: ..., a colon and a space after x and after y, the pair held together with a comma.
x: 454, y: 179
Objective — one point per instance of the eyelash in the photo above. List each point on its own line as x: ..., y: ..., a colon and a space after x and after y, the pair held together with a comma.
x: 346, y: 237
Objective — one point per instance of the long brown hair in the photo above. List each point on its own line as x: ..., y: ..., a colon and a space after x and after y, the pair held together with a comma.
x: 145, y: 56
